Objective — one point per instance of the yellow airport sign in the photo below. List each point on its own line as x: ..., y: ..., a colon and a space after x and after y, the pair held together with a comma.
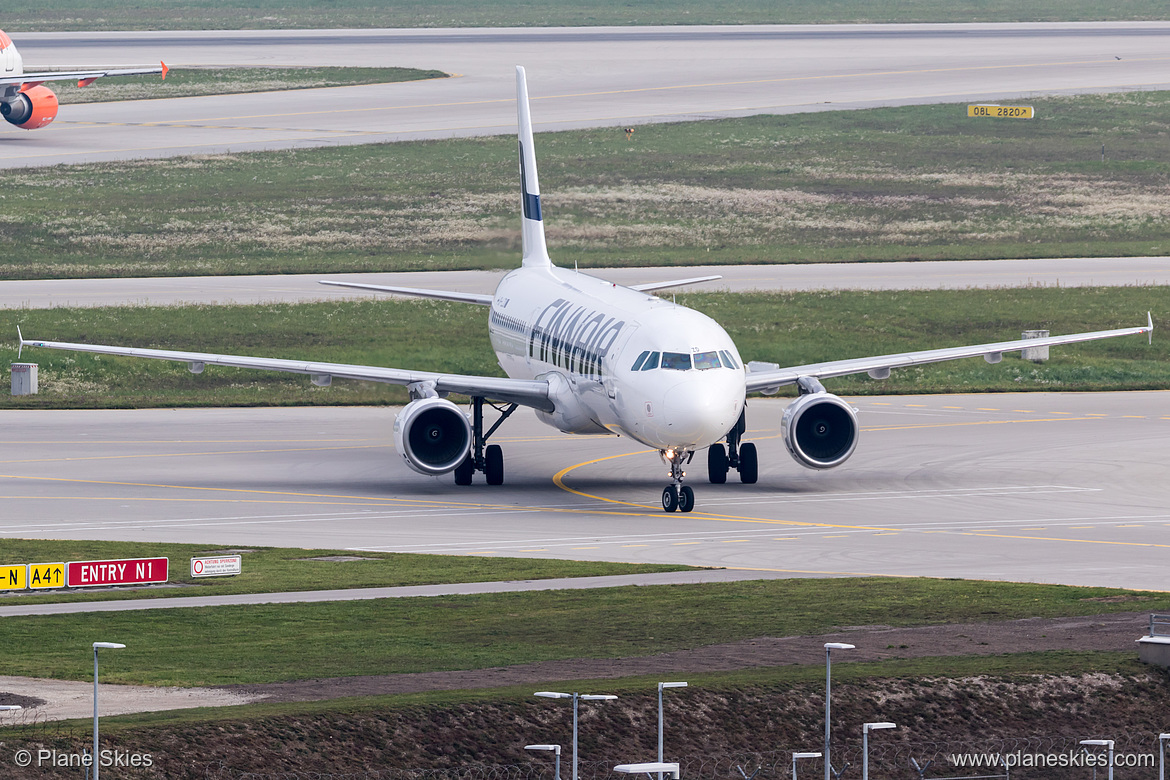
x: 1002, y: 112
x: 14, y: 577
x: 46, y: 575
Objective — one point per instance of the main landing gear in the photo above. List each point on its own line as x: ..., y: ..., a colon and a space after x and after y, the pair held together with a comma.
x: 677, y: 497
x: 741, y: 457
x: 489, y: 459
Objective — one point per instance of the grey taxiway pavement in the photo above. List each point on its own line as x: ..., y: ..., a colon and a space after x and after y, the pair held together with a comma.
x: 578, y: 77
x: 1046, y: 487
x: 299, y: 288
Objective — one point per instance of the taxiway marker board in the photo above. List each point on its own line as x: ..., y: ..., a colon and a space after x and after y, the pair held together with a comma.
x: 46, y: 575
x: 128, y: 571
x: 221, y: 566
x: 1002, y: 112
x: 14, y: 577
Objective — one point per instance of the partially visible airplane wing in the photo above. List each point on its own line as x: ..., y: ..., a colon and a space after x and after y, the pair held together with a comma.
x: 84, y: 77
x: 442, y: 295
x: 667, y: 285
x: 770, y: 380
x: 532, y: 393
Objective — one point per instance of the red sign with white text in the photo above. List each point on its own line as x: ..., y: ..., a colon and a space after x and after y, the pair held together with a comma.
x: 128, y: 571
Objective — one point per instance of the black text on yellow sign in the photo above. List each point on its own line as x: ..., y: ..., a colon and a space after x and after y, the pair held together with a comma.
x: 1002, y: 112
x: 46, y: 575
x: 14, y: 577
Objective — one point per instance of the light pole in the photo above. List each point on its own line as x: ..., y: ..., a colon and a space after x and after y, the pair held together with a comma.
x: 556, y: 749
x: 801, y: 755
x: 865, y: 729
x: 1162, y: 755
x: 1102, y: 743
x: 662, y: 685
x: 107, y: 646
x: 575, y: 697
x: 829, y: 648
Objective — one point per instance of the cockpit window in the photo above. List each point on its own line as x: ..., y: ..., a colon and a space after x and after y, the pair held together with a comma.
x: 678, y: 361
x: 728, y: 360
x: 641, y: 359
x: 651, y: 362
x: 706, y: 360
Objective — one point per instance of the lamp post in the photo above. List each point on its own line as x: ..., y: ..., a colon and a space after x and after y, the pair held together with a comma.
x: 829, y: 648
x: 575, y: 697
x: 865, y: 729
x: 1162, y: 738
x: 1107, y: 743
x: 662, y: 685
x: 554, y: 748
x: 801, y: 755
x: 96, y: 646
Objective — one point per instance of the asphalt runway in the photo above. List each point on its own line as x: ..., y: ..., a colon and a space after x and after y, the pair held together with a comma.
x: 578, y: 77
x: 301, y: 288
x: 1063, y: 488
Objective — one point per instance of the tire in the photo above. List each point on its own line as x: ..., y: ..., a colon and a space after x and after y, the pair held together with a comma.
x: 464, y: 471
x: 493, y: 466
x: 717, y: 464
x: 669, y: 499
x: 749, y: 464
x: 686, y: 499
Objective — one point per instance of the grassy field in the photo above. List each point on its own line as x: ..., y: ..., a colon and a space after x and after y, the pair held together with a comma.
x: 920, y: 182
x: 191, y: 82
x: 278, y: 569
x: 790, y: 329
x: 207, y: 14
x: 269, y: 643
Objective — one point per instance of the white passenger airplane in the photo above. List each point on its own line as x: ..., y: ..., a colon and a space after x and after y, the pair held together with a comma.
x: 591, y: 356
x: 24, y: 99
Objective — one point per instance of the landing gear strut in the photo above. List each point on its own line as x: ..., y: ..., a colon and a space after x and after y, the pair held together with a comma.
x: 677, y: 496
x: 489, y: 459
x: 738, y: 456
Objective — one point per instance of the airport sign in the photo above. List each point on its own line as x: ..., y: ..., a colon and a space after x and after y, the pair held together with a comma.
x: 46, y: 575
x: 127, y: 571
x: 1002, y: 112
x: 14, y: 577
x: 216, y: 566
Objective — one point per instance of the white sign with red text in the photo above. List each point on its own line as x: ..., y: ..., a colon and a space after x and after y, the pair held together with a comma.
x: 220, y: 566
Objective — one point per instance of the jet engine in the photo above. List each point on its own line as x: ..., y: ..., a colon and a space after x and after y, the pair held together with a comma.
x: 433, y: 435
x: 820, y: 430
x: 32, y: 108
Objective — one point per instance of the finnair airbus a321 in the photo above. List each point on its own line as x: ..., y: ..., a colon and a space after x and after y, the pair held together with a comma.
x: 27, y: 103
x: 594, y: 357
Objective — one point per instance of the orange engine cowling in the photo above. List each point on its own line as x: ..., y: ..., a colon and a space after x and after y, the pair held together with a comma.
x: 32, y: 108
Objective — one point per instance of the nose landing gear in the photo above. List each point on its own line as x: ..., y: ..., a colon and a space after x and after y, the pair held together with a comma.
x: 677, y: 497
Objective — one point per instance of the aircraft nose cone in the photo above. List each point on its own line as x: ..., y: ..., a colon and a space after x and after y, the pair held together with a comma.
x: 699, y: 413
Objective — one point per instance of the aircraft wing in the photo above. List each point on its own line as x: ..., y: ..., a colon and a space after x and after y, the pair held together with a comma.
x: 86, y: 76
x: 772, y: 379
x: 442, y: 295
x: 667, y: 285
x: 532, y: 393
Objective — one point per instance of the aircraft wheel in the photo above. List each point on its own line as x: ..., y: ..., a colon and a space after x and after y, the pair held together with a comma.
x: 493, y: 466
x: 463, y: 472
x: 669, y: 498
x: 717, y: 464
x: 686, y: 499
x: 749, y: 464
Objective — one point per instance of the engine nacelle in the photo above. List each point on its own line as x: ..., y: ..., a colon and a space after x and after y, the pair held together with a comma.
x: 820, y: 430
x: 433, y: 435
x: 31, y: 108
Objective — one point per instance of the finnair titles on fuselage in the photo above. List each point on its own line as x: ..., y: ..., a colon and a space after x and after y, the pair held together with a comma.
x: 590, y: 356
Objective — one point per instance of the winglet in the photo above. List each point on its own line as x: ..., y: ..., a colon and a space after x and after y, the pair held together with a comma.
x: 20, y: 339
x: 165, y: 69
x: 535, y: 251
x: 1150, y: 320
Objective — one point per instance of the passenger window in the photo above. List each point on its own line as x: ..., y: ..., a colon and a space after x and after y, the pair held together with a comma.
x: 651, y: 362
x: 640, y: 361
x: 706, y: 360
x: 679, y: 361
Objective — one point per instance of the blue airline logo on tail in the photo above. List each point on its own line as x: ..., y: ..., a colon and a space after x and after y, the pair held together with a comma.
x: 531, y: 202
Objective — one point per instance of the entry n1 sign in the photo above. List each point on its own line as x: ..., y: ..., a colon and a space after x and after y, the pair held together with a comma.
x: 220, y: 566
x: 124, y: 571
